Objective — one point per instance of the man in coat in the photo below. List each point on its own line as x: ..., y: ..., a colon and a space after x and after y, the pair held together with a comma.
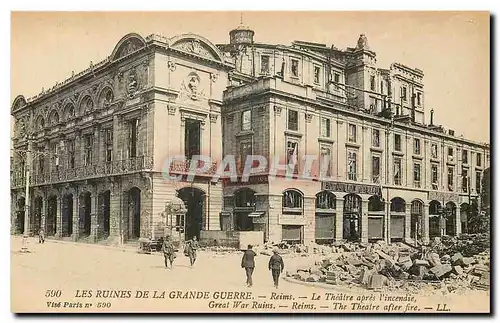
x: 276, y: 266
x: 168, y: 252
x: 248, y: 263
x: 41, y: 236
x: 192, y: 247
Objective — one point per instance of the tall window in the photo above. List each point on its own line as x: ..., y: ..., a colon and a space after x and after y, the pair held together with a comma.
x: 352, y: 133
x: 293, y: 120
x: 434, y: 151
x: 404, y: 94
x: 434, y: 176
x: 246, y: 120
x: 70, y: 147
x: 87, y: 150
x: 325, y: 165
x: 416, y: 146
x: 465, y: 156
x: 372, y: 82
x: 54, y: 152
x: 397, y: 142
x: 419, y: 99
x: 41, y: 160
x: 397, y: 171
x: 465, y: 180
x: 245, y: 151
x: 450, y: 178
x: 264, y: 64
x: 295, y: 68
x: 109, y: 144
x: 450, y: 152
x: 376, y: 169
x: 479, y: 158
x: 292, y: 152
x: 133, y: 134
x: 192, y: 138
x: 317, y: 72
x: 382, y: 87
x: 478, y: 182
x: 416, y: 174
x: 351, y: 165
x: 336, y: 79
x: 325, y: 127
x: 376, y: 138
x: 292, y: 199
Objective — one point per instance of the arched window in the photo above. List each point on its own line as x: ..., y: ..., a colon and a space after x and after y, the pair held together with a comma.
x: 434, y: 207
x: 397, y: 205
x: 352, y: 203
x: 292, y: 199
x: 417, y: 207
x: 325, y: 200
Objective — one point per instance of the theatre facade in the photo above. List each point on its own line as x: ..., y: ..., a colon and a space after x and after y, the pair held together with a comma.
x: 103, y: 139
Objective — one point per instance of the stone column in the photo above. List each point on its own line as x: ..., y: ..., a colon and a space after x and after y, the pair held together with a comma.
x: 339, y: 219
x: 407, y: 231
x: 310, y: 226
x: 458, y: 222
x: 94, y: 208
x: 275, y: 210
x: 387, y: 222
x: 425, y: 224
x: 42, y: 215
x: 364, y: 220
x: 76, y: 217
x: 58, y: 218
x: 115, y: 210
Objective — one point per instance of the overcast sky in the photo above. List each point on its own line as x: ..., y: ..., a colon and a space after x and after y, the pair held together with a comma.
x: 451, y: 48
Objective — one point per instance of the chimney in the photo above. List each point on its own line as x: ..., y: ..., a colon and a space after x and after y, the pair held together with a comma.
x: 432, y: 117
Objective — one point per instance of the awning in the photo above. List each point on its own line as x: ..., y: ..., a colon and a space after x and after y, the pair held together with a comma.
x: 256, y: 214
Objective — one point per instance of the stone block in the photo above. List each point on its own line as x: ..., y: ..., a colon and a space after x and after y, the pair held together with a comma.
x: 313, y: 278
x: 433, y: 259
x: 458, y: 270
x: 467, y: 261
x: 315, y: 270
x: 441, y: 270
x: 456, y: 259
x: 366, y: 275
x: 377, y: 282
x: 421, y: 262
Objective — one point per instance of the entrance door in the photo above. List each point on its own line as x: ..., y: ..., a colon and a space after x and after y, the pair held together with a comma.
x: 193, y: 199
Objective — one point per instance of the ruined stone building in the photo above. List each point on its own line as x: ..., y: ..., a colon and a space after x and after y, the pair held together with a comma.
x: 103, y: 138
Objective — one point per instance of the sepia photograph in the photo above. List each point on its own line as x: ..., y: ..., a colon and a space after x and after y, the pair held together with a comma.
x: 250, y: 162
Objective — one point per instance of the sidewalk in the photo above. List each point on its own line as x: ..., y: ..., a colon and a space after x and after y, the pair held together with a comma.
x: 124, y: 248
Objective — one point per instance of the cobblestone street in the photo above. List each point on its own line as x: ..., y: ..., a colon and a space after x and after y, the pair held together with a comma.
x: 70, y: 267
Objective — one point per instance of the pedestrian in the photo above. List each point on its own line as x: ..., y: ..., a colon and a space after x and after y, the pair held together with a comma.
x: 248, y: 263
x: 168, y: 252
x: 276, y: 266
x: 191, y: 248
x: 41, y: 236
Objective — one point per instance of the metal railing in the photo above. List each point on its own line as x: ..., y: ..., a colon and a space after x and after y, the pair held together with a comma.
x: 64, y: 174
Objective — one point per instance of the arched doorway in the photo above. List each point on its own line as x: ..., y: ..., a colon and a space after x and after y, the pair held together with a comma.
x: 67, y: 216
x: 434, y: 219
x: 417, y: 213
x: 352, y: 217
x: 36, y: 220
x: 244, y: 205
x: 103, y: 214
x: 376, y: 213
x: 450, y: 214
x: 20, y: 209
x: 326, y: 204
x: 51, y: 215
x: 84, y: 214
x: 133, y: 221
x: 398, y: 210
x: 464, y: 217
x: 193, y: 199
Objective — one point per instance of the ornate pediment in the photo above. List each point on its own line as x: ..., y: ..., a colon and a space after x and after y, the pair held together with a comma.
x: 197, y: 45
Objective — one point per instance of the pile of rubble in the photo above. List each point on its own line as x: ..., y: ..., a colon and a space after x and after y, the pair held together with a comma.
x: 378, y: 265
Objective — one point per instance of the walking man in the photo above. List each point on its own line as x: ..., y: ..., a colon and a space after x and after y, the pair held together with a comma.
x: 41, y: 236
x: 168, y: 252
x: 276, y: 266
x: 248, y: 263
x: 192, y: 247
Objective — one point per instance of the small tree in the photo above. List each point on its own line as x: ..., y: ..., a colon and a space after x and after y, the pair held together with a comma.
x: 479, y: 221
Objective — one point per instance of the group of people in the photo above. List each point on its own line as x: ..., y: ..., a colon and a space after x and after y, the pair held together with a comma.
x: 276, y: 265
x: 169, y: 254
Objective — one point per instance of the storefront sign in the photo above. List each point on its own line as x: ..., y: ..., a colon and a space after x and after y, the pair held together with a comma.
x: 351, y: 188
x: 252, y: 180
x: 444, y: 196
